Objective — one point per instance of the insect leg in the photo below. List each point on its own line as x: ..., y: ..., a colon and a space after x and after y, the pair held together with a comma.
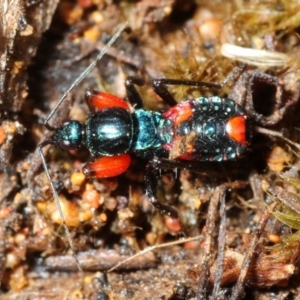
x: 133, y: 95
x: 159, y: 85
x: 197, y: 167
x: 151, y: 191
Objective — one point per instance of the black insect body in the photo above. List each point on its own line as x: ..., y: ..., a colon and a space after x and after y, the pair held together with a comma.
x: 201, y: 129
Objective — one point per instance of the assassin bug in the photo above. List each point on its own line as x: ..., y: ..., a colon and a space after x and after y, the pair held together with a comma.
x: 202, y: 129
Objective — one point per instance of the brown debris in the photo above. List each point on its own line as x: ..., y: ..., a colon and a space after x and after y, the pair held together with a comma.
x: 103, y: 260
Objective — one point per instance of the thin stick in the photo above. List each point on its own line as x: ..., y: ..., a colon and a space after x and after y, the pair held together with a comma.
x: 238, y: 289
x: 148, y: 249
x: 269, y: 132
x: 221, y: 246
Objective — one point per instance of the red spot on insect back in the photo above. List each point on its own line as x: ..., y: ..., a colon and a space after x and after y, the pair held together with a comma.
x: 236, y: 129
x: 107, y: 166
x: 101, y: 100
x: 179, y: 113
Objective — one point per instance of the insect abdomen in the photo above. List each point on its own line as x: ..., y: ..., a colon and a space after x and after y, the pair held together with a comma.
x: 207, y: 129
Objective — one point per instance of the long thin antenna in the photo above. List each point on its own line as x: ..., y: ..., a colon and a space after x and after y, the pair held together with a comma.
x: 85, y: 73
x: 56, y: 198
x: 47, y: 142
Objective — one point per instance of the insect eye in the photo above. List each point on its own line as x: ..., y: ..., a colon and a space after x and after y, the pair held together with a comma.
x: 66, y: 145
x: 69, y: 135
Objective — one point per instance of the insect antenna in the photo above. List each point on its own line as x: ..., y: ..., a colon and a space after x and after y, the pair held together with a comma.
x: 56, y: 199
x: 50, y: 141
x: 83, y: 75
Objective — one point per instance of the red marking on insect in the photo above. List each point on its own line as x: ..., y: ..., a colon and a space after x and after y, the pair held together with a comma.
x: 107, y: 166
x: 236, y: 129
x: 179, y: 113
x: 100, y: 100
